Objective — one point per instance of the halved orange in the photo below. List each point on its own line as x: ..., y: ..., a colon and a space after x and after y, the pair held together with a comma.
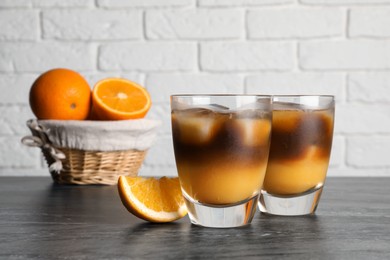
x: 120, y: 99
x: 155, y: 200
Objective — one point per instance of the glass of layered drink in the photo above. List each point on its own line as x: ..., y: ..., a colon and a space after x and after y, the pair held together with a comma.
x: 301, y: 142
x: 221, y: 145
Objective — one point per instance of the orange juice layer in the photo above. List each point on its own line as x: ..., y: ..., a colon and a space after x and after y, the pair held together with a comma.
x: 288, y: 177
x: 221, y: 184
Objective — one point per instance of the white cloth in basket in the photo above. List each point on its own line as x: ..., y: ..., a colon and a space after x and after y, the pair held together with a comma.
x: 137, y: 134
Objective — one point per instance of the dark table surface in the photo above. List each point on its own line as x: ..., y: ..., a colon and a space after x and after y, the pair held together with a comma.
x: 40, y: 220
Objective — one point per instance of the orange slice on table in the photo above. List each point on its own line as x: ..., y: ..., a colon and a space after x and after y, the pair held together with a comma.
x: 120, y: 99
x: 155, y: 200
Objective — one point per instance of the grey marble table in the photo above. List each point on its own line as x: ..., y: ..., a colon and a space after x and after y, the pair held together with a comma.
x: 40, y: 220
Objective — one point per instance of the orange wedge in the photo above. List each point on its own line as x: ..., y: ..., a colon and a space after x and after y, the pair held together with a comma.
x: 155, y: 200
x: 120, y: 99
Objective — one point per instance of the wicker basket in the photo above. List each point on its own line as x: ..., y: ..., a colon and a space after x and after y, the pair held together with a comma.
x: 68, y: 165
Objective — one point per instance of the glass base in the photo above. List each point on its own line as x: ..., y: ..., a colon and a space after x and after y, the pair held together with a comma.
x: 223, y: 216
x: 302, y: 204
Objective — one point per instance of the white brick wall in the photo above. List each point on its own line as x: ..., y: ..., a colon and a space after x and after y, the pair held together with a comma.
x: 41, y: 56
x: 269, y: 23
x: 92, y: 24
x: 344, y: 2
x: 304, y: 83
x: 345, y: 55
x: 46, y: 3
x: 338, y: 47
x: 369, y: 87
x: 246, y: 56
x: 149, y: 56
x: 144, y: 3
x: 367, y: 22
x: 366, y: 152
x: 19, y: 25
x: 194, y: 24
x: 242, y: 2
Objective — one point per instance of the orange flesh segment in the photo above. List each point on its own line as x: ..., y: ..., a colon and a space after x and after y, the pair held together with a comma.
x: 122, y: 97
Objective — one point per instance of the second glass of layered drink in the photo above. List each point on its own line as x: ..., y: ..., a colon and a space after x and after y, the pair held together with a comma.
x: 301, y: 142
x: 221, y: 145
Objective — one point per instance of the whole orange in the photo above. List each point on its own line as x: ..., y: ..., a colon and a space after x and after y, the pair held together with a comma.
x: 61, y: 94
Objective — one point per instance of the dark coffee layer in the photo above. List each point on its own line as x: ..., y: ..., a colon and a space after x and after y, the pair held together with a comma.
x: 228, y: 139
x: 294, y: 132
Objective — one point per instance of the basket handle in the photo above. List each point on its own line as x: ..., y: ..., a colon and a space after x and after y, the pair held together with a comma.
x: 40, y: 139
x: 32, y: 141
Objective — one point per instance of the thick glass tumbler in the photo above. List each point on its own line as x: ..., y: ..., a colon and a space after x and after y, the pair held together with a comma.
x: 301, y: 142
x: 221, y: 145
